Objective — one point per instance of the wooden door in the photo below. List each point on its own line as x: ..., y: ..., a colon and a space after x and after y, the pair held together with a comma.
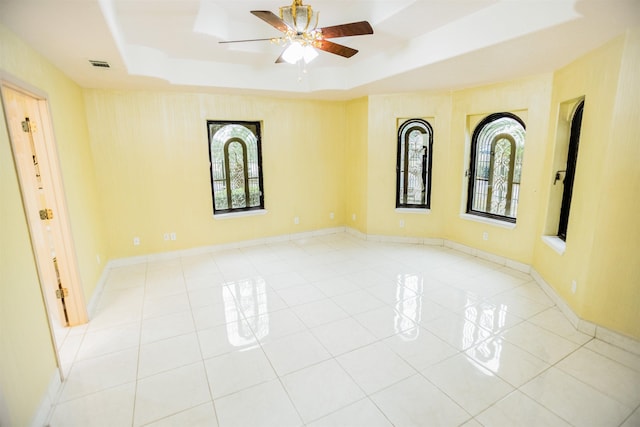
x: 36, y: 162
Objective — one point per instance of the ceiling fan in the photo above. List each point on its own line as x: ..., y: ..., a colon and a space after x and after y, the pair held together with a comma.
x: 298, y: 23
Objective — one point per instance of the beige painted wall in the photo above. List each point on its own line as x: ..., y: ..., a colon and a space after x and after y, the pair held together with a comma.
x: 385, y: 114
x: 613, y: 283
x: 603, y: 242
x: 152, y: 161
x: 529, y: 99
x: 356, y: 164
x: 27, y: 360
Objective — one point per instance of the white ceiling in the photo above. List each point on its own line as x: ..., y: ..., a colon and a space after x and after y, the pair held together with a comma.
x: 416, y: 45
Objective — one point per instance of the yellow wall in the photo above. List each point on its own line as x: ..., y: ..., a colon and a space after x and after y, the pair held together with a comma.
x: 27, y: 360
x: 385, y: 111
x: 529, y: 99
x: 613, y: 283
x: 603, y: 242
x: 356, y: 165
x: 152, y: 162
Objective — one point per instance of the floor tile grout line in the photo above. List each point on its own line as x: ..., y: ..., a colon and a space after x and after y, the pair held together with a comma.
x: 595, y: 339
x: 554, y: 365
x: 582, y: 380
x: 135, y: 393
x: 280, y: 378
x: 637, y: 409
x: 74, y: 361
x: 579, y: 347
x: 202, y: 358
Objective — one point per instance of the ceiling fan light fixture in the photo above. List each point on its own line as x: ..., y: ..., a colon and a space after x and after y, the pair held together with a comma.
x: 309, y: 54
x: 296, y: 52
x: 293, y: 53
x: 301, y: 36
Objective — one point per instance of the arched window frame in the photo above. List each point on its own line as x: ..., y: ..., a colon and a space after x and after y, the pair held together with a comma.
x: 482, y: 207
x: 570, y: 170
x: 220, y: 149
x: 403, y: 169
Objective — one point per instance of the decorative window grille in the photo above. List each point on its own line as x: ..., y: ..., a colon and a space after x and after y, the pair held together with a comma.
x: 236, y: 166
x: 413, y: 170
x: 497, y: 149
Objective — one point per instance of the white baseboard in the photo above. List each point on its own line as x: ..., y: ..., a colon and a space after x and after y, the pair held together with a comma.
x: 497, y: 259
x: 92, y: 305
x: 586, y: 327
x: 589, y: 328
x: 562, y: 305
x: 44, y: 410
x: 617, y: 339
x: 394, y: 239
x: 122, y: 262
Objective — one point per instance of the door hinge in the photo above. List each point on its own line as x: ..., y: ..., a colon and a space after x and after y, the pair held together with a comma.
x: 62, y: 293
x: 46, y: 214
x: 28, y: 125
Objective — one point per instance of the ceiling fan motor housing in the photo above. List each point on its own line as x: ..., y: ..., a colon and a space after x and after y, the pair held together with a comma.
x: 300, y: 17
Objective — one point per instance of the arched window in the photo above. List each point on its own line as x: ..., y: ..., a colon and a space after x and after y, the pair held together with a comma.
x: 497, y: 148
x: 570, y: 170
x: 236, y: 166
x: 413, y: 170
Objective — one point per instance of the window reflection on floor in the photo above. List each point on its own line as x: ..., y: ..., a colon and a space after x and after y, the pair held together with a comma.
x: 409, y: 288
x: 479, y: 319
x: 248, y: 297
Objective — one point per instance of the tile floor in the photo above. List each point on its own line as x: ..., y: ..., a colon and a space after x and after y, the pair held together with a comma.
x: 337, y: 331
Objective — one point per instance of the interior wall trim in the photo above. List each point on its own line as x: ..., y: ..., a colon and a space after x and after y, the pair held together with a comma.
x: 602, y: 333
x: 92, y: 305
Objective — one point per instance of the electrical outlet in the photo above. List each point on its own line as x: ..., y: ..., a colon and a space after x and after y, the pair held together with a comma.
x: 136, y: 241
x: 173, y: 236
x: 353, y: 217
x: 574, y: 286
x: 402, y: 223
x: 296, y: 220
x: 98, y: 259
x: 166, y: 236
x: 485, y: 236
x: 331, y: 215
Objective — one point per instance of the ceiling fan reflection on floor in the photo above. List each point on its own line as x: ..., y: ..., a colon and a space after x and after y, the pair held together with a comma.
x: 301, y: 37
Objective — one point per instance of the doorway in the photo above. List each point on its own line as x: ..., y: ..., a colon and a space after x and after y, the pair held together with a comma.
x: 36, y: 162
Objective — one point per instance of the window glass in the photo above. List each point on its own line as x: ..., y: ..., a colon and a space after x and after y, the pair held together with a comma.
x: 413, y: 170
x: 236, y: 169
x: 496, y: 166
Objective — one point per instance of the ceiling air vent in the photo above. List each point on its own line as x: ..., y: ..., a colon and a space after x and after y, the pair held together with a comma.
x: 100, y: 64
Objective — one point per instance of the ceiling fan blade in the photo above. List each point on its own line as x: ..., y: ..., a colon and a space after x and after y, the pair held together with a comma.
x: 248, y: 40
x: 335, y: 48
x: 272, y: 19
x: 346, y: 30
x: 280, y: 59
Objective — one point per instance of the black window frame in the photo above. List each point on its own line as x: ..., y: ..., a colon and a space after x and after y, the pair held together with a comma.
x: 258, y: 134
x: 570, y: 170
x: 402, y: 173
x: 473, y: 163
